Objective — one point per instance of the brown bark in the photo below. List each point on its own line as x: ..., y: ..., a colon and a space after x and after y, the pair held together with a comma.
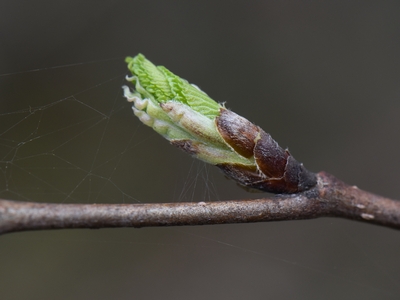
x: 329, y: 198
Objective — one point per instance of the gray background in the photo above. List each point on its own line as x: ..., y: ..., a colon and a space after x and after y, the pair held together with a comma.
x: 321, y: 77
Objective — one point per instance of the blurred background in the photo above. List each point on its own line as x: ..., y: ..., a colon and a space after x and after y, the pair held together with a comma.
x: 322, y: 77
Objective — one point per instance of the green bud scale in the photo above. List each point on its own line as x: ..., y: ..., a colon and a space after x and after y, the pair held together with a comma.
x: 195, y: 123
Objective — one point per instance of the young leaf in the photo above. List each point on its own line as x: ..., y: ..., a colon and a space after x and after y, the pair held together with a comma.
x: 192, y: 121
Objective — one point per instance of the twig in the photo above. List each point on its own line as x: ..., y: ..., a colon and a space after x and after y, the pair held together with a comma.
x: 329, y: 198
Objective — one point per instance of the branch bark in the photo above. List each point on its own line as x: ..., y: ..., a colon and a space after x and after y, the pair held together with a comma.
x: 329, y: 198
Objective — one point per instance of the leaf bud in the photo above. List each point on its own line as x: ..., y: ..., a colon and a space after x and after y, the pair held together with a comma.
x: 192, y: 121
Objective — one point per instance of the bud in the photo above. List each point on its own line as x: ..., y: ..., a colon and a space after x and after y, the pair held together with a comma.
x: 192, y: 121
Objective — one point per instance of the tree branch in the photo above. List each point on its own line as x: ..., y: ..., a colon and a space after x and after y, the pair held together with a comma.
x: 329, y: 198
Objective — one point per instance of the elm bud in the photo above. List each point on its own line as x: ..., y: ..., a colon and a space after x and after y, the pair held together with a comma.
x: 192, y: 121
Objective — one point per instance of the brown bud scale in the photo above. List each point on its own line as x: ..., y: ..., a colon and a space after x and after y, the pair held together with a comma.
x: 238, y: 132
x: 275, y: 170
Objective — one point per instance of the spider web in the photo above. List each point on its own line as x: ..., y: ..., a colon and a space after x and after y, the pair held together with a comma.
x: 56, y: 150
x: 78, y: 147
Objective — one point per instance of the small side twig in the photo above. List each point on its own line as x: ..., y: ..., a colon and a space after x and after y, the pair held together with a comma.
x: 329, y: 198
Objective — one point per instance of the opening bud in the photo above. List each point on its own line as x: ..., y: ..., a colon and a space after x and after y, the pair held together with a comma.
x: 192, y: 121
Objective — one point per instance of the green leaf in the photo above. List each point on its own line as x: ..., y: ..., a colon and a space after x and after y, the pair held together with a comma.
x: 162, y: 85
